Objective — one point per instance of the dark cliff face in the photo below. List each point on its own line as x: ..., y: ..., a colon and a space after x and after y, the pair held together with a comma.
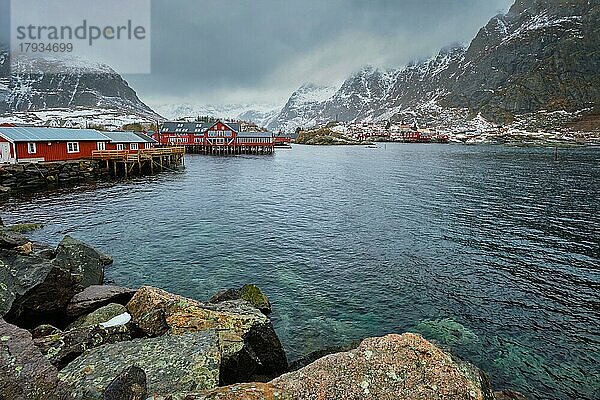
x: 542, y: 55
x: 30, y: 92
x: 78, y: 86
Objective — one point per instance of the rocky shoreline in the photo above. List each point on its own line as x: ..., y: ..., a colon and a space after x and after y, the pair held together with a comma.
x: 66, y: 335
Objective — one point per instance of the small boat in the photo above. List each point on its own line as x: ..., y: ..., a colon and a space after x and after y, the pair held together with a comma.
x: 372, y: 147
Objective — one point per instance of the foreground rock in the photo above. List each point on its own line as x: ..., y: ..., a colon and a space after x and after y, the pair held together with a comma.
x: 96, y: 296
x: 103, y: 314
x: 508, y: 395
x: 172, y: 364
x: 244, y: 391
x: 24, y: 372
x: 128, y: 385
x: 251, y: 349
x: 63, y: 347
x: 11, y: 240
x: 83, y: 261
x: 394, y: 367
x: 37, y: 290
x: 250, y: 293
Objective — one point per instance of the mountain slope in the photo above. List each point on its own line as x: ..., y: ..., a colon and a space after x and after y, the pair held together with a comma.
x: 303, y: 109
x: 543, y: 56
x: 76, y: 86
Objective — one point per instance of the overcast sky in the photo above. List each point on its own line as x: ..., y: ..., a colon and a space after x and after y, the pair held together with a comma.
x: 237, y: 51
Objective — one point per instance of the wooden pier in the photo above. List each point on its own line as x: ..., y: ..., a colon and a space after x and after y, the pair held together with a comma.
x: 124, y: 163
x: 228, y: 150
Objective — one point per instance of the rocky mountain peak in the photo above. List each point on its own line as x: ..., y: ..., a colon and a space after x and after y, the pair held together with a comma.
x: 28, y: 86
x: 542, y: 56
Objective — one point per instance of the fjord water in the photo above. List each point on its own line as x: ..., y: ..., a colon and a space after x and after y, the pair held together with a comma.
x: 491, y: 251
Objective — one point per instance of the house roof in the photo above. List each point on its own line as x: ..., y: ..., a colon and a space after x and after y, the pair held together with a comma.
x: 185, y: 127
x: 236, y: 126
x: 145, y: 137
x: 35, y: 134
x: 124, y: 137
x: 255, y: 134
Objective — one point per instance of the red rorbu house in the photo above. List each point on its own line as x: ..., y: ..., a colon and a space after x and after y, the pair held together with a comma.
x: 32, y: 144
x: 215, y: 138
x: 131, y: 142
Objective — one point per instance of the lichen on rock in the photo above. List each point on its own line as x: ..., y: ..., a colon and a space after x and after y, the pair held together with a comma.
x: 171, y: 363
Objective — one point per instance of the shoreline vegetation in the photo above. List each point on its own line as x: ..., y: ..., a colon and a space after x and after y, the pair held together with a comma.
x: 64, y: 334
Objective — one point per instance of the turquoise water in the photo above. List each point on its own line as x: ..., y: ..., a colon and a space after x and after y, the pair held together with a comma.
x: 491, y: 251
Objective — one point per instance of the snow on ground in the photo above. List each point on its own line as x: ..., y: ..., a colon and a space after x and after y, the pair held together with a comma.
x: 77, y: 118
x: 119, y: 320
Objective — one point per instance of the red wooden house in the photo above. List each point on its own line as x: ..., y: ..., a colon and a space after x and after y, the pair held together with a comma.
x: 29, y: 144
x: 131, y: 142
x: 214, y: 138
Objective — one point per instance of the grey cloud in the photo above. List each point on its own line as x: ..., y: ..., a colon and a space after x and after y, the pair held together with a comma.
x: 217, y: 51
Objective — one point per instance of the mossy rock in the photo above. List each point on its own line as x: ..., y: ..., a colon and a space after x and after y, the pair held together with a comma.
x: 250, y: 293
x: 103, y: 314
x: 25, y: 228
x: 253, y: 295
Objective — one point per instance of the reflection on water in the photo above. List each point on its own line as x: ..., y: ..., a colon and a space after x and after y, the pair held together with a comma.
x: 492, y: 251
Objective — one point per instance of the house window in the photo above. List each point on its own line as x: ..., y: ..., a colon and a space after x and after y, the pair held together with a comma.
x: 31, y: 148
x: 72, y: 147
x: 134, y: 146
x: 120, y: 147
x: 148, y: 145
x: 101, y: 146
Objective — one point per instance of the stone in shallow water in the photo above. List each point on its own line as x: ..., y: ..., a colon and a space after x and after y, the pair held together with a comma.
x: 172, y: 364
x: 250, y: 293
x: 447, y: 331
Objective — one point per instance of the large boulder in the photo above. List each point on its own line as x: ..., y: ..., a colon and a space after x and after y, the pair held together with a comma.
x: 83, y: 261
x: 60, y: 348
x: 103, y: 314
x: 172, y: 364
x: 250, y: 293
x: 96, y: 296
x: 24, y: 372
x: 394, y: 367
x: 36, y: 290
x: 250, y: 346
x: 391, y: 367
x: 19, y: 274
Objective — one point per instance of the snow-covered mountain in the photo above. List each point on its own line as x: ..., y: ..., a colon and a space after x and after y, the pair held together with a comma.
x: 259, y: 114
x: 543, y: 56
x: 303, y: 109
x: 30, y: 88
